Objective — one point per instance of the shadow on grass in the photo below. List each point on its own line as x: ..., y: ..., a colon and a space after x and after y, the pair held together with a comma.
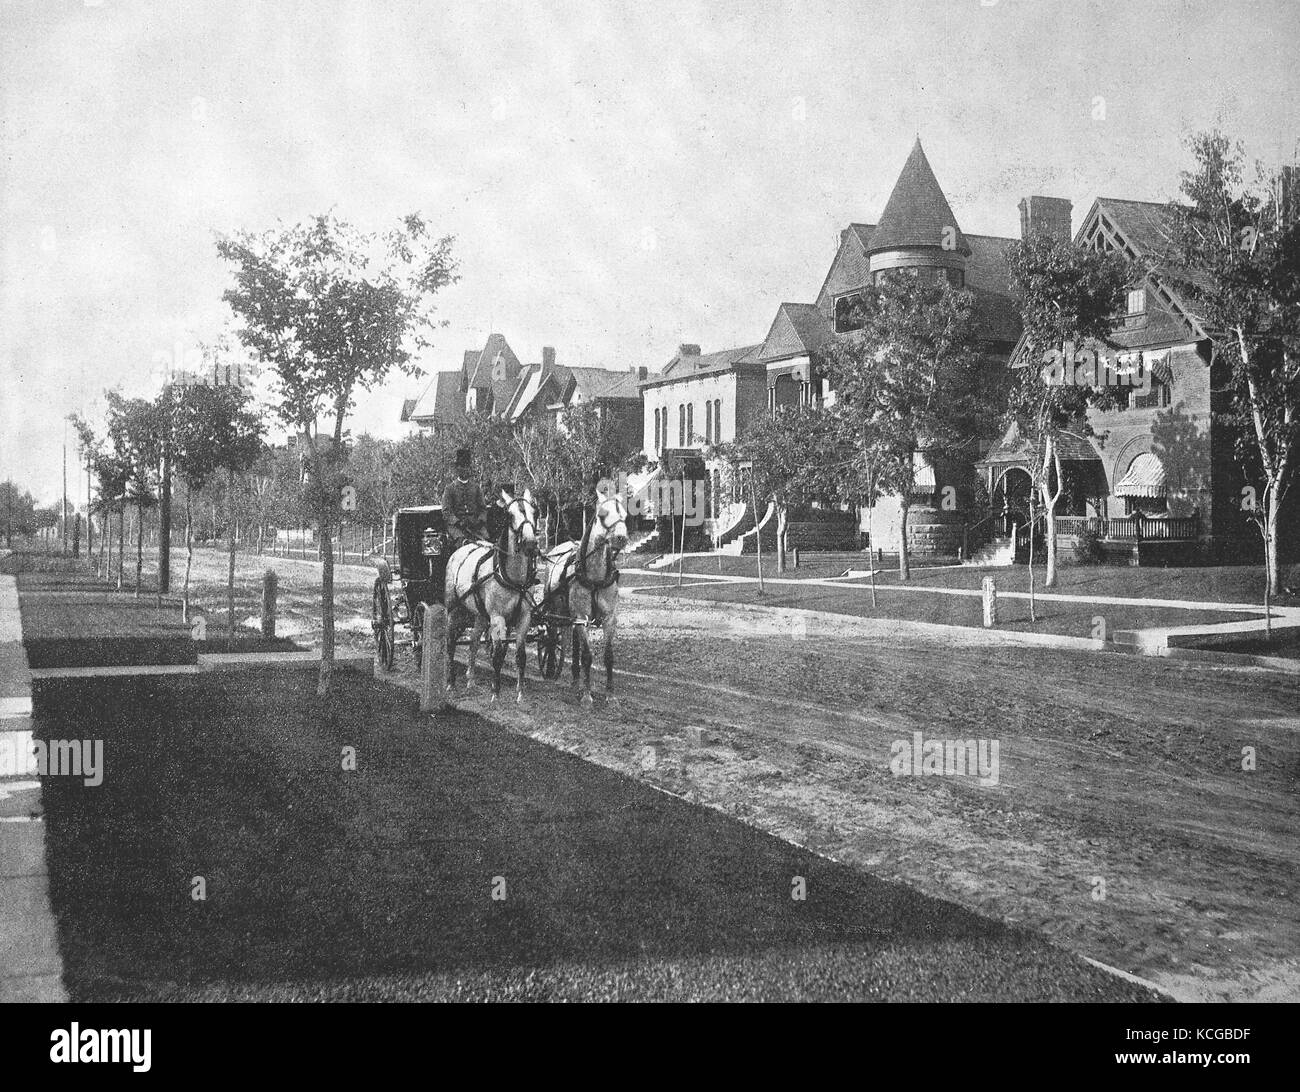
x: 313, y: 873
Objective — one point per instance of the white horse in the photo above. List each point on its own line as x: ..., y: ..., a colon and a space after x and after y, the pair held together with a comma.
x: 488, y: 584
x: 582, y: 581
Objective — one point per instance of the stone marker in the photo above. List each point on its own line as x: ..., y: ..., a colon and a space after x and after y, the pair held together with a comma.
x: 990, y: 603
x: 433, y: 662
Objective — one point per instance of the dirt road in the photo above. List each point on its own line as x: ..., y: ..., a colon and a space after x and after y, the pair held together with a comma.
x: 1123, y: 823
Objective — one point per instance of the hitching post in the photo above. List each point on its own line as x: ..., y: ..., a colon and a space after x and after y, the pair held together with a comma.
x: 433, y: 663
x: 990, y: 603
x: 268, y: 603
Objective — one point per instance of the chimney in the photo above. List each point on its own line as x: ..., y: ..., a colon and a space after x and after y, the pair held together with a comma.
x: 642, y: 371
x: 548, y: 358
x: 684, y: 350
x: 1049, y: 215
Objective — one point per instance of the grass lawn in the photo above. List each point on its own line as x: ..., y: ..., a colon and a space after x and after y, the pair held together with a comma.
x: 1070, y: 619
x: 378, y: 883
x: 1222, y: 584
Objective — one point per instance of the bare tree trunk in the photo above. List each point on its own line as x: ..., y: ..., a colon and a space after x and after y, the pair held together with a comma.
x: 871, y: 549
x: 1271, y: 567
x: 781, y: 518
x: 230, y: 574
x: 904, y: 562
x: 189, y: 556
x: 1051, y: 462
x: 139, y: 548
x: 758, y: 535
x: 121, y: 547
x: 327, y: 611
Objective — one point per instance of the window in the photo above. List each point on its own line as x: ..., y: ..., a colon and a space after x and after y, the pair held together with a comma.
x: 657, y: 436
x: 1135, y: 313
x: 1160, y: 395
x: 848, y: 314
x: 717, y: 419
x: 690, y: 424
x: 681, y: 425
x: 708, y: 422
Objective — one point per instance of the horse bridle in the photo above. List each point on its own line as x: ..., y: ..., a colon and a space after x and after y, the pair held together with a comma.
x: 526, y: 522
x: 579, y: 568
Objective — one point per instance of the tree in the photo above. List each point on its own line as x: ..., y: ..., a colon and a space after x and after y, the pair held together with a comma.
x: 422, y: 466
x: 1068, y: 298
x: 782, y: 459
x: 18, y: 509
x: 111, y: 476
x: 907, y: 381
x: 1237, y: 261
x: 333, y: 311
x: 214, y: 429
x: 136, y: 429
x: 563, y: 459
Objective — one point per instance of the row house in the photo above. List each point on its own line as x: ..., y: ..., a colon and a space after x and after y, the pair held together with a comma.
x: 492, y: 381
x: 1153, y: 478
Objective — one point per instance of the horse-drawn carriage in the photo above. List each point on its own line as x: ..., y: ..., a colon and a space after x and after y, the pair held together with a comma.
x: 414, y: 578
x: 418, y: 546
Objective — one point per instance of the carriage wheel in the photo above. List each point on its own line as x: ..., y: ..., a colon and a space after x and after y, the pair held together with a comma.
x: 417, y: 635
x: 550, y: 651
x: 381, y: 621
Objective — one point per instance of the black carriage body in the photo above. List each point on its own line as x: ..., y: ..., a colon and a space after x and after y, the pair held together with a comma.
x: 420, y: 539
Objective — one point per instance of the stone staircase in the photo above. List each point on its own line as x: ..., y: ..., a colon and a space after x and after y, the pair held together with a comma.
x: 998, y: 551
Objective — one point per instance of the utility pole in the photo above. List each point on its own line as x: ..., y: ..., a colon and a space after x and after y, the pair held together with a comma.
x: 65, y: 487
x: 165, y: 502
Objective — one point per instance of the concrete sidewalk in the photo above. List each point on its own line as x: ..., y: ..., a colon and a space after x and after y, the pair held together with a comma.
x: 31, y: 968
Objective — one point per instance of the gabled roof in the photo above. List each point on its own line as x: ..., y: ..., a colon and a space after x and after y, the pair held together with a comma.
x: 680, y: 369
x: 482, y: 373
x: 440, y: 402
x: 797, y: 330
x: 1143, y: 231
x: 568, y: 384
x: 850, y: 268
x: 917, y: 213
x: 592, y: 384
x: 1013, y: 449
x: 526, y: 390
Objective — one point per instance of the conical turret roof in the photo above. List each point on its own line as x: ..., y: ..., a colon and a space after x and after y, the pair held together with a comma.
x: 917, y: 213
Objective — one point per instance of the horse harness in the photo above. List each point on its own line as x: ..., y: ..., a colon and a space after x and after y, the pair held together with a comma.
x: 575, y: 568
x: 495, y: 553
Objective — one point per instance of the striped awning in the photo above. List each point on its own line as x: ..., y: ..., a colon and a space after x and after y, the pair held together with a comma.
x: 1145, y: 478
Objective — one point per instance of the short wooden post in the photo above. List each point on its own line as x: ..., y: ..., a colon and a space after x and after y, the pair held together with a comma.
x: 990, y: 603
x: 433, y: 662
x: 269, y: 583
x: 794, y: 556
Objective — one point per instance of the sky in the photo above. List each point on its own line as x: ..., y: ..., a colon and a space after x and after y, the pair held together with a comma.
x: 619, y: 177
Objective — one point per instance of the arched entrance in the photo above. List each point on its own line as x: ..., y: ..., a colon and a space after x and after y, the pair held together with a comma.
x: 1011, y: 498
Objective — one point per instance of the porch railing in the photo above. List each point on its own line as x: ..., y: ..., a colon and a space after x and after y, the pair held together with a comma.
x: 1132, y: 528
